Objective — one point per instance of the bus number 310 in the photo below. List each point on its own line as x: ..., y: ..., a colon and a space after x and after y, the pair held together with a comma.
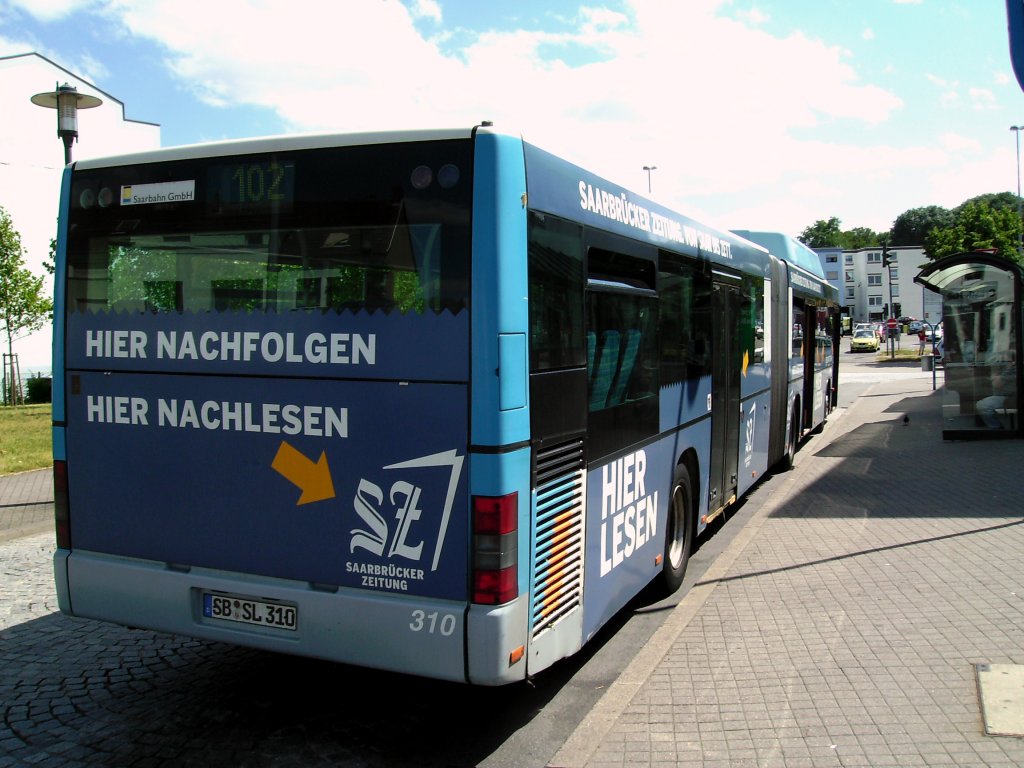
x: 429, y: 621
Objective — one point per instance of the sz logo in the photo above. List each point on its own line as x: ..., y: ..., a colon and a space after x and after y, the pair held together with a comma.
x: 751, y: 423
x: 419, y: 513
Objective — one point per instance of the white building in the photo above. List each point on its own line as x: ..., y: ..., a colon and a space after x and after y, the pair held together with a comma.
x: 870, y: 292
x: 32, y: 161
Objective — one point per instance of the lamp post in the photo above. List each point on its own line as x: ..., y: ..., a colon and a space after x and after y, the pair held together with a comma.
x: 649, y: 168
x: 67, y: 101
x: 1020, y: 247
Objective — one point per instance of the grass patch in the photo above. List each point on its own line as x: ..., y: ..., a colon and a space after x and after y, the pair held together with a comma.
x: 25, y: 438
x: 906, y: 354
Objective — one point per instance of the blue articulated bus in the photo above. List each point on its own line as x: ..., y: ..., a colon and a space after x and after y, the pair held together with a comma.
x: 436, y: 402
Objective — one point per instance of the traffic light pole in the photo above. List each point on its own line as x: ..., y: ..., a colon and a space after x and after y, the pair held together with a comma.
x: 887, y: 264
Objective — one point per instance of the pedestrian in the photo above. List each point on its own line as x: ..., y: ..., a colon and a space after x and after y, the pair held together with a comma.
x: 922, y: 337
x: 995, y: 407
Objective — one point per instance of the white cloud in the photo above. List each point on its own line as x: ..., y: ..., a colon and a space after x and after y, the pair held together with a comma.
x: 867, y: 34
x: 705, y: 92
x: 715, y: 102
x: 956, y: 143
x: 91, y: 68
x: 51, y: 10
x: 755, y: 17
x: 10, y: 47
x: 982, y: 98
x: 86, y: 66
x: 427, y: 9
x: 995, y: 172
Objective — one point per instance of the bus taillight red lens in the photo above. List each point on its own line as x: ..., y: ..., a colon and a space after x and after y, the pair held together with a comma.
x: 495, y: 514
x: 495, y: 587
x: 61, y: 512
x: 495, y: 549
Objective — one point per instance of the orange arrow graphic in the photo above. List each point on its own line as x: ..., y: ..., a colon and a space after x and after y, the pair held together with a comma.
x: 314, y: 480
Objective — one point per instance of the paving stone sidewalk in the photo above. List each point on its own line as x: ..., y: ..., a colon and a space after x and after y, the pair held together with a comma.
x: 26, y: 503
x: 843, y: 626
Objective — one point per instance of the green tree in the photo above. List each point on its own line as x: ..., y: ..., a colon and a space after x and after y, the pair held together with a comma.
x: 829, y: 234
x: 912, y: 227
x: 23, y: 307
x: 860, y: 237
x: 51, y: 257
x: 976, y: 227
x: 823, y: 234
x: 995, y: 200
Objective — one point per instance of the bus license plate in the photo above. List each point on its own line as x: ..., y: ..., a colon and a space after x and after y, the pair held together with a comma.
x: 245, y: 610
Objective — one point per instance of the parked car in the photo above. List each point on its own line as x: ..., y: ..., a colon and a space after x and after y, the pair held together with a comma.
x: 864, y: 340
x: 936, y: 333
x: 914, y: 326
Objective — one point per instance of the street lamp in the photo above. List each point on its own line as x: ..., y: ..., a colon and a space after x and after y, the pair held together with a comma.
x: 650, y: 168
x: 1020, y: 248
x: 67, y: 101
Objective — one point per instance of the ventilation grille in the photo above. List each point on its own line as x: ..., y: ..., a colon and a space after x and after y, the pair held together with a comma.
x: 558, y: 526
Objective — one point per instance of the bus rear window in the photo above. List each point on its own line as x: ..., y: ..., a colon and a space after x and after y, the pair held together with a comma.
x: 353, y: 229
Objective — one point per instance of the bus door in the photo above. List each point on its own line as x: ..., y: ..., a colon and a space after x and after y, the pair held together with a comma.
x: 725, y: 389
x: 810, y: 356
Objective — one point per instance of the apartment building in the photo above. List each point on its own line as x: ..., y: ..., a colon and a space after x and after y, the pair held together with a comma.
x: 871, y: 291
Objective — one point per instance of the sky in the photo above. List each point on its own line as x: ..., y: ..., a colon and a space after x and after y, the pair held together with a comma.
x: 754, y: 114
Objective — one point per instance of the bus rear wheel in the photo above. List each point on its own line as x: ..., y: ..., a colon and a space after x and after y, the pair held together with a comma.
x: 786, y: 462
x: 679, y: 537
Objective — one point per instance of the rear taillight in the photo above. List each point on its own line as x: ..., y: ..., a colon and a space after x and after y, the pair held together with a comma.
x: 495, y: 549
x: 61, y: 512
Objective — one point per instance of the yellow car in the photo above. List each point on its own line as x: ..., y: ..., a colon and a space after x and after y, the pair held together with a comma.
x: 864, y: 340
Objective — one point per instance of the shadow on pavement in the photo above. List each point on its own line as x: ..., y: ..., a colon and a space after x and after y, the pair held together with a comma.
x: 901, y: 467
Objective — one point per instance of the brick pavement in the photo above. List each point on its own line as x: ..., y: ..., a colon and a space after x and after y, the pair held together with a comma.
x: 843, y: 625
x: 26, y: 503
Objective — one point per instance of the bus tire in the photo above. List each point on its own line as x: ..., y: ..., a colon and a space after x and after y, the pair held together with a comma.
x: 820, y: 427
x: 679, y: 536
x: 786, y: 463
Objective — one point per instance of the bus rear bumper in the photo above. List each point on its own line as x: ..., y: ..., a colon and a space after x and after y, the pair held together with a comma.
x: 399, y: 633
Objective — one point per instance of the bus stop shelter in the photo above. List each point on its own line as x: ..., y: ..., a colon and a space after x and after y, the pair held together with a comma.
x: 981, y: 340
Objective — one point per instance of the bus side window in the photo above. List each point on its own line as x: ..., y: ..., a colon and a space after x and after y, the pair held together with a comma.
x: 798, y: 330
x: 556, y: 296
x: 622, y: 379
x: 684, y: 310
x: 606, y: 366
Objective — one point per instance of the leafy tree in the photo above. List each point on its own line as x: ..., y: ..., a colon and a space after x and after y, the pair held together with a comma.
x: 912, y: 227
x: 51, y: 257
x: 829, y: 234
x: 23, y: 307
x: 977, y: 226
x: 822, y: 234
x: 995, y: 201
x: 860, y: 237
